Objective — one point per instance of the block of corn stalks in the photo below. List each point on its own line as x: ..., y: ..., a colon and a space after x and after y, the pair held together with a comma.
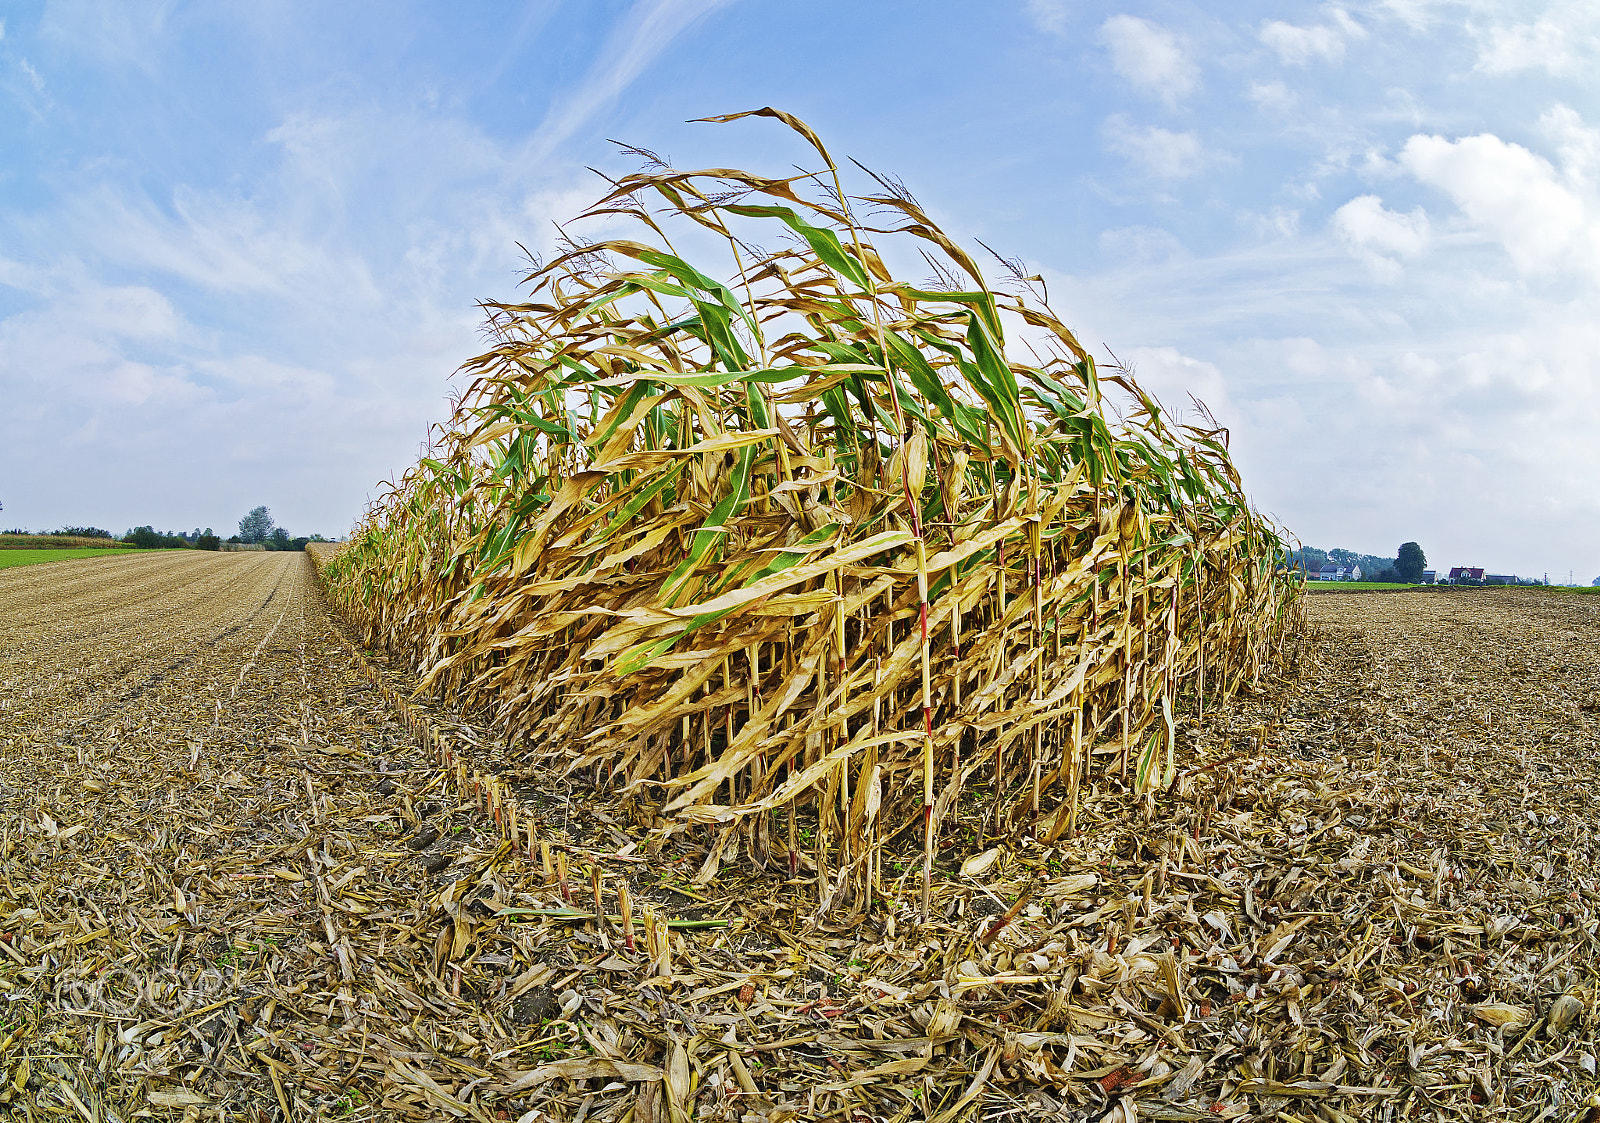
x: 731, y: 515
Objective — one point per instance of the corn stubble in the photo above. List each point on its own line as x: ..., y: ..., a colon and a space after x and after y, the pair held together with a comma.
x: 815, y: 539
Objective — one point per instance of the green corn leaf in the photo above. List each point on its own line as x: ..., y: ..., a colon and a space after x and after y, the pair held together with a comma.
x: 824, y: 243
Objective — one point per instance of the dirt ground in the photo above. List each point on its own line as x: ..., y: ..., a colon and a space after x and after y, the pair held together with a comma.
x: 235, y: 887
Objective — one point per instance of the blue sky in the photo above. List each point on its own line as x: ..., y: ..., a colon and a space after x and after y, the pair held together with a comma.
x: 240, y: 245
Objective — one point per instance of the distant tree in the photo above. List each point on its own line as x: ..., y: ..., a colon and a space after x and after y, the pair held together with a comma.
x: 1410, y: 562
x: 256, y: 526
x: 1308, y: 558
x: 1390, y: 575
x: 82, y: 532
x: 279, y: 540
x: 208, y: 541
x: 149, y: 538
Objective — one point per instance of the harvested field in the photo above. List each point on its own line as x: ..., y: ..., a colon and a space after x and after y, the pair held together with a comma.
x: 235, y: 887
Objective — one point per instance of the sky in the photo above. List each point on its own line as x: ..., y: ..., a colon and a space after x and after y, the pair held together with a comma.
x: 241, y: 246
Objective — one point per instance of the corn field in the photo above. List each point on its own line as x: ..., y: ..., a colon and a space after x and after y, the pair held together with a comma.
x: 812, y: 540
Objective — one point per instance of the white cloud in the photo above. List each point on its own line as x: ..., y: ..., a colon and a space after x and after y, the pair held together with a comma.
x: 1173, y: 378
x: 1378, y: 235
x: 86, y: 353
x: 1440, y: 438
x: 1577, y: 145
x: 178, y: 430
x: 1560, y: 43
x: 1401, y: 105
x: 1149, y: 57
x: 1278, y: 222
x: 184, y: 292
x: 1296, y: 46
x: 1159, y: 151
x: 1273, y: 96
x: 274, y: 322
x: 328, y: 325
x: 1515, y: 198
x: 130, y: 312
x: 1441, y: 400
x: 222, y: 243
x: 258, y: 373
x: 1418, y: 15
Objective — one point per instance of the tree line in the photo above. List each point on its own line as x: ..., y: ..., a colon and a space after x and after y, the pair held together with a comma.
x: 1404, y: 568
x: 256, y: 529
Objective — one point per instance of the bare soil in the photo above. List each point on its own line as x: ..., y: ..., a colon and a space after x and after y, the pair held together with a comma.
x: 236, y: 887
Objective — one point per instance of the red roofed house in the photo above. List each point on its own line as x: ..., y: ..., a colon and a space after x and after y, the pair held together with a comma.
x: 1465, y: 573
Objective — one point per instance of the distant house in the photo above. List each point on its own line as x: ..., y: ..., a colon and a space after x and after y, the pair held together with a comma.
x: 1335, y: 572
x: 1310, y: 569
x: 1500, y: 579
x: 1429, y: 576
x: 1465, y: 573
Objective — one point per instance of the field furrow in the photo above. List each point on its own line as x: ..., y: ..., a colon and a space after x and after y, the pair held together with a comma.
x: 234, y: 887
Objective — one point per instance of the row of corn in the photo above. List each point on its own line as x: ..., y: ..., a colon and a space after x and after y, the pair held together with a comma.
x: 489, y: 797
x: 811, y: 554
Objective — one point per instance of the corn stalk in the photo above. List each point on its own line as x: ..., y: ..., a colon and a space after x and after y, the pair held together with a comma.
x: 829, y: 479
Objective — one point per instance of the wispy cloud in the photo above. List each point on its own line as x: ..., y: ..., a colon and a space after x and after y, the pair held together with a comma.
x: 1139, y: 243
x: 1577, y: 147
x: 1418, y: 15
x: 223, y: 244
x: 1563, y: 41
x: 649, y: 28
x: 1273, y: 96
x: 1050, y: 16
x: 1296, y: 45
x: 1149, y: 57
x: 1160, y: 152
x: 1276, y: 222
x: 128, y: 33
